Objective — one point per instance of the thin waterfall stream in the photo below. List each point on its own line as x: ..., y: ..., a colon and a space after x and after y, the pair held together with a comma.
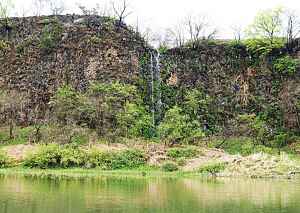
x: 156, y: 102
x: 152, y: 91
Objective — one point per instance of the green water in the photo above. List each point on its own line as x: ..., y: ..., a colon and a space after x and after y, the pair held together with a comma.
x: 20, y: 194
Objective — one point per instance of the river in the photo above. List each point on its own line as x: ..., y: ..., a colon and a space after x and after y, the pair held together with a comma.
x: 106, y: 194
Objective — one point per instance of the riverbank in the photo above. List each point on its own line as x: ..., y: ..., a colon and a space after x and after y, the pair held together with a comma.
x: 79, y: 173
x: 97, y: 173
x: 156, y: 162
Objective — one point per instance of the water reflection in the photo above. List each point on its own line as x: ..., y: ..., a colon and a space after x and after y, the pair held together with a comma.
x: 148, y: 195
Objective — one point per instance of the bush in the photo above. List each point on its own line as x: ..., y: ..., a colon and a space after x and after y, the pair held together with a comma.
x: 235, y: 43
x: 57, y: 156
x: 96, y: 159
x: 131, y: 158
x: 3, y: 159
x: 45, y: 21
x: 162, y: 49
x: 181, y: 161
x: 286, y: 65
x: 53, y: 156
x: 189, y: 152
x: 45, y: 44
x: 212, y: 42
x: 54, y: 20
x: 177, y: 127
x: 95, y: 39
x: 169, y: 167
x: 215, y: 167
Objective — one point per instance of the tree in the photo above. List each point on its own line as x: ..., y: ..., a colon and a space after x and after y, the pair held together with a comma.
x: 199, y: 27
x: 39, y: 116
x: 57, y: 7
x: 293, y: 25
x: 25, y: 10
x: 162, y: 38
x: 38, y: 6
x: 12, y: 107
x: 104, y: 10
x: 134, y: 121
x: 266, y: 32
x: 144, y: 29
x: 176, y: 127
x: 178, y: 34
x: 5, y: 9
x: 121, y: 9
x: 237, y: 31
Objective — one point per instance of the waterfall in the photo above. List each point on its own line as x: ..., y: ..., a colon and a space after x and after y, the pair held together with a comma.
x: 157, y: 68
x: 156, y: 102
x: 152, y: 91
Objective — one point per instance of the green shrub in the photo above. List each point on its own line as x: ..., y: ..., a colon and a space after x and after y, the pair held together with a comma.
x: 131, y: 158
x: 95, y: 39
x: 286, y: 65
x: 181, y: 161
x: 53, y: 156
x: 177, y: 127
x: 45, y: 21
x: 169, y: 167
x: 96, y: 159
x: 54, y: 20
x: 45, y: 44
x: 189, y: 152
x: 235, y: 43
x: 212, y: 42
x: 215, y: 167
x: 3, y: 159
x: 162, y: 49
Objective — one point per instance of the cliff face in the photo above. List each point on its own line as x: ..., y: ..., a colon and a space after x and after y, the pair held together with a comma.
x: 41, y: 53
x: 239, y: 81
x: 229, y: 70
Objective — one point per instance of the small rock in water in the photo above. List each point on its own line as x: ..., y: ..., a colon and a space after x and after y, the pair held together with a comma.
x: 143, y: 173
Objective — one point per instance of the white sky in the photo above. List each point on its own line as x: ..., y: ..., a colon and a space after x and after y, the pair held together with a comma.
x: 165, y: 13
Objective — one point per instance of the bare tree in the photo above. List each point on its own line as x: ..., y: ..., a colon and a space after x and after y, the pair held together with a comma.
x: 38, y: 6
x: 199, y: 27
x: 57, y: 7
x: 237, y: 31
x: 165, y: 37
x: 144, y: 29
x: 121, y: 9
x: 293, y: 25
x: 25, y: 10
x: 104, y: 10
x: 39, y: 116
x: 12, y: 106
x: 178, y: 32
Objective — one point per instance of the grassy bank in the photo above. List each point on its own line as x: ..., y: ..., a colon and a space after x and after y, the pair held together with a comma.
x: 97, y: 173
x: 60, y: 154
x: 79, y: 173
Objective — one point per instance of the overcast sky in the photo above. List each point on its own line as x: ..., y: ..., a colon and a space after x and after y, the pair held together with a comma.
x: 161, y: 14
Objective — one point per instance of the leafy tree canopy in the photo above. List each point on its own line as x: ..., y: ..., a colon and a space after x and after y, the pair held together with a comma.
x: 266, y: 32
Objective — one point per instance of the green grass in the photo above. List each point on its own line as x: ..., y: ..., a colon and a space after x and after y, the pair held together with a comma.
x: 97, y: 173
